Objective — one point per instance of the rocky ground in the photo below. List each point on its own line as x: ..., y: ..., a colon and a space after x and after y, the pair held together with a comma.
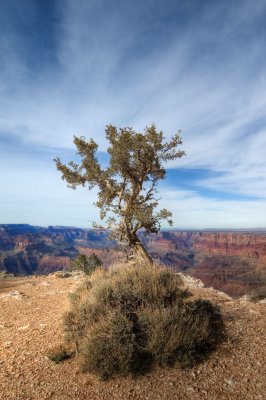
x: 30, y: 325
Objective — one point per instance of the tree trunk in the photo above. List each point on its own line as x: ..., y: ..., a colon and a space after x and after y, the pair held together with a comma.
x: 141, y: 253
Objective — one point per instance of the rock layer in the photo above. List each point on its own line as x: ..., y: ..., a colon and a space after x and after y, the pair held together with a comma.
x: 229, y: 261
x: 234, y: 262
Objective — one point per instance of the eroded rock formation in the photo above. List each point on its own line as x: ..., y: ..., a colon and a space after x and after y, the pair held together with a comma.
x: 234, y: 262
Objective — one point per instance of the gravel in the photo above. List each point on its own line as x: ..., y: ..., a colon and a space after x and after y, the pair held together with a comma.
x: 30, y: 325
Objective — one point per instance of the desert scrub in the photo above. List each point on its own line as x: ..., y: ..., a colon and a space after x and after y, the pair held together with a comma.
x: 60, y: 353
x: 127, y: 319
x: 86, y: 264
x: 257, y: 294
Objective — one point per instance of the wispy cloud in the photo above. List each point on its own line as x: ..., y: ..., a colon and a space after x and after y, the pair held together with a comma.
x: 73, y: 67
x: 194, y: 211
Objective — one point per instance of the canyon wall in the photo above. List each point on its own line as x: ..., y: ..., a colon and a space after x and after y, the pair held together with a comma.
x: 234, y: 262
x: 229, y: 261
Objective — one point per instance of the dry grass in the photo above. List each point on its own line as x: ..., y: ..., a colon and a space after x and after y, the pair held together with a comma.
x: 127, y: 318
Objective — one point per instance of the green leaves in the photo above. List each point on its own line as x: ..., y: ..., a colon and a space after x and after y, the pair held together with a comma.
x: 128, y: 186
x: 87, y: 264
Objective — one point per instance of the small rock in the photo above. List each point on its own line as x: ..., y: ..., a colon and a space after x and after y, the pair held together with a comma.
x: 230, y: 382
x: 16, y: 294
x: 198, y: 371
x: 62, y: 274
x: 23, y: 328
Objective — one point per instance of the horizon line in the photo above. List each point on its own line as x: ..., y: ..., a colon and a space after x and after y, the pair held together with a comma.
x: 219, y: 229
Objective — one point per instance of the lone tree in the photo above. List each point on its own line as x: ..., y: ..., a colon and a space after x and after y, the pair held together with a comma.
x: 128, y: 186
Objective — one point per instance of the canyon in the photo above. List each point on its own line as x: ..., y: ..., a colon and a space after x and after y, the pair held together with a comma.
x: 233, y: 262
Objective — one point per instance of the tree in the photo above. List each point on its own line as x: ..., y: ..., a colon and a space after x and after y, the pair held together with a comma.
x: 86, y: 264
x: 128, y: 186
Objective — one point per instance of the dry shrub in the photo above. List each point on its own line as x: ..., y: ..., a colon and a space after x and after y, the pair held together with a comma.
x: 182, y: 334
x: 126, y: 319
x: 109, y: 346
x: 257, y: 294
x: 60, y: 353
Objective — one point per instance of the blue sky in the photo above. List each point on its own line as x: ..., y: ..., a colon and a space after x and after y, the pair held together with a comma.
x: 72, y: 66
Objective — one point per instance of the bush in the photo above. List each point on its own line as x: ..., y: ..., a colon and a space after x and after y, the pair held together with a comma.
x: 59, y: 353
x: 110, y: 345
x: 86, y: 264
x: 257, y: 294
x: 182, y: 334
x: 127, y: 319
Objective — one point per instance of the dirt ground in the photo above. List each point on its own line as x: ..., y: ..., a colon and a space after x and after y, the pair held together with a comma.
x: 30, y: 324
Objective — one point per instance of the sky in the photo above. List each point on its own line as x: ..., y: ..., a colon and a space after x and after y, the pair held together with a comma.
x: 70, y: 67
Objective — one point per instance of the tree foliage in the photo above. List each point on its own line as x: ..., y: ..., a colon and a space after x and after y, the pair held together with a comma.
x: 128, y: 186
x: 87, y: 264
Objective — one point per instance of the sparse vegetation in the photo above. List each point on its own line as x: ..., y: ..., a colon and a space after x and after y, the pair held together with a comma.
x: 6, y: 275
x: 129, y: 318
x: 59, y: 353
x: 257, y: 294
x: 86, y: 264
